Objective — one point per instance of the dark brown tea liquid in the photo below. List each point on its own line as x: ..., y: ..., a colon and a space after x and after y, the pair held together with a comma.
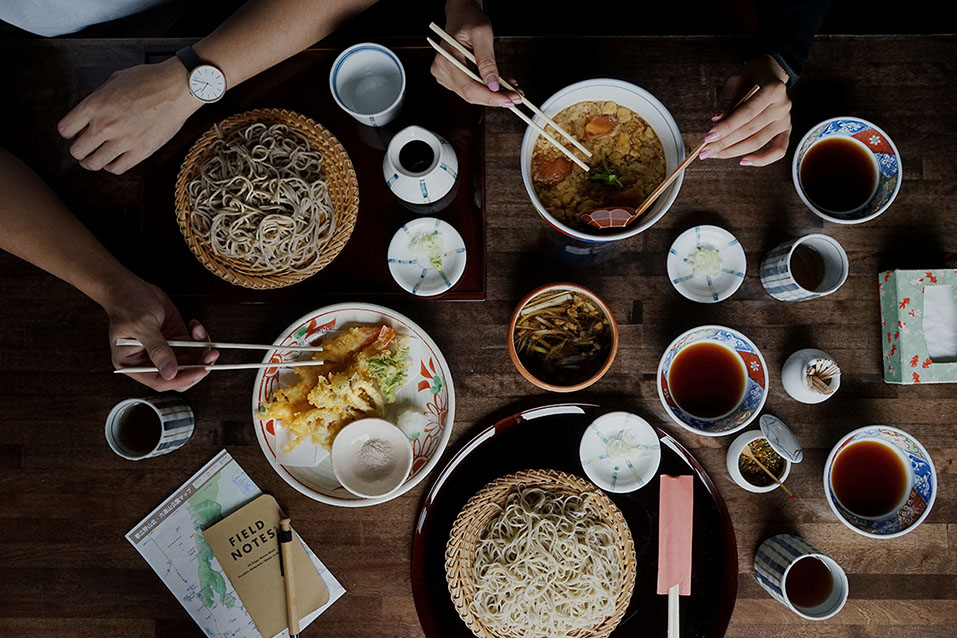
x: 809, y: 583
x: 706, y: 380
x: 807, y: 267
x: 838, y: 174
x: 869, y: 478
x: 139, y: 429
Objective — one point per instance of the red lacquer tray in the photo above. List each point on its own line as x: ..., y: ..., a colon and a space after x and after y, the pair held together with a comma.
x: 548, y: 438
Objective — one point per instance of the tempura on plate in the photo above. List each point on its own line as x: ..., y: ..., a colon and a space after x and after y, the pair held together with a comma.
x: 364, y: 367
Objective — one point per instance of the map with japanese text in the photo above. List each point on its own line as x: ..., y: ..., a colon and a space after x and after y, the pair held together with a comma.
x: 170, y: 541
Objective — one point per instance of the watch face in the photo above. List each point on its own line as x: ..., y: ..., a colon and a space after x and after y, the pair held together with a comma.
x: 207, y: 83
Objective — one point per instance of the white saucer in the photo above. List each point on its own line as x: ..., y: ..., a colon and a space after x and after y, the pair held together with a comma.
x: 705, y: 287
x: 632, y: 465
x: 416, y: 274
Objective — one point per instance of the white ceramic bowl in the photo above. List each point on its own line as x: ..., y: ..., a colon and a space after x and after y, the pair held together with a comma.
x: 734, y: 453
x: 425, y: 186
x: 645, y: 105
x: 620, y: 452
x: 387, y: 466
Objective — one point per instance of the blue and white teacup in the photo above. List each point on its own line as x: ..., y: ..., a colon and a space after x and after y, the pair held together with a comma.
x: 368, y: 82
x: 138, y: 429
x: 775, y: 558
x: 886, y: 158
x: 922, y: 483
x: 779, y: 281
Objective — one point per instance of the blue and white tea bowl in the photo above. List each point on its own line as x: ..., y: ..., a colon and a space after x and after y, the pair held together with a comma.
x: 885, y: 155
x: 923, y: 479
x: 756, y: 389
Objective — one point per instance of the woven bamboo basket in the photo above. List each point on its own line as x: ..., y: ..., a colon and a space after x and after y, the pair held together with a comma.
x: 488, y: 503
x: 343, y: 191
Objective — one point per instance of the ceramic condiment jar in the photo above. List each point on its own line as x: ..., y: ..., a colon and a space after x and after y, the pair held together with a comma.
x: 794, y: 376
x: 781, y: 440
x: 419, y: 166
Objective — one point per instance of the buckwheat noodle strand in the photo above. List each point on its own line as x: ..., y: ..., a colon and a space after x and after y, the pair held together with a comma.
x: 261, y: 197
x: 547, y: 566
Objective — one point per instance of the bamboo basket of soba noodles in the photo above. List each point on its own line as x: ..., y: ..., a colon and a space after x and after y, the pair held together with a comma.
x: 540, y: 553
x: 266, y: 198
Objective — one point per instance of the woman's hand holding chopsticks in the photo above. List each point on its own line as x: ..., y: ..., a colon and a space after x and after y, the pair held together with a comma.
x: 468, y: 24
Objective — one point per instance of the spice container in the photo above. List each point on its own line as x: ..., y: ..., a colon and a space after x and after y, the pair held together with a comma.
x: 774, y: 445
x: 799, y: 372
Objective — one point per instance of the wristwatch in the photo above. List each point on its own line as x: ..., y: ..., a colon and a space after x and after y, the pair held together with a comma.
x: 206, y: 82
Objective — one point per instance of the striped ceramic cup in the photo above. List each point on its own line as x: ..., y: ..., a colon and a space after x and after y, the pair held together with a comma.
x: 805, y: 268
x: 814, y: 590
x: 138, y: 429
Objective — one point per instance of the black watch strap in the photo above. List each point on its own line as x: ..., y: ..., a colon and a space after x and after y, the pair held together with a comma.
x: 189, y: 58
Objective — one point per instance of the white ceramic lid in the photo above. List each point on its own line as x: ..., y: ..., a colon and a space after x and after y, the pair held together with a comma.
x: 781, y: 438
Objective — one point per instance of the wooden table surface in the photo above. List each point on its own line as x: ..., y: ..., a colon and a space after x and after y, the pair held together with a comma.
x: 66, y: 500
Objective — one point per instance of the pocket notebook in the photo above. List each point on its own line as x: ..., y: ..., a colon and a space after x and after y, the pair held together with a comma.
x: 246, y: 544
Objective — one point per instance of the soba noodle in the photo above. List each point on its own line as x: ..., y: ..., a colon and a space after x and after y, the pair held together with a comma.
x: 261, y: 197
x: 546, y: 567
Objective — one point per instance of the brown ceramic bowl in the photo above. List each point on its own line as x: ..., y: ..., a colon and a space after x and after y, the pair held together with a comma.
x: 542, y: 383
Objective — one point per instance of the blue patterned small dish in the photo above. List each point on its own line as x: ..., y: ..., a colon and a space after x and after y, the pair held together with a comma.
x: 706, y: 264
x: 923, y: 478
x: 756, y: 382
x: 620, y: 452
x: 886, y: 158
x: 426, y: 256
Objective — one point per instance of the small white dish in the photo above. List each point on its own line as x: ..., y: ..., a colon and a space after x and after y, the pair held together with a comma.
x: 371, y: 457
x: 427, y: 256
x: 620, y: 452
x: 419, y: 166
x: 368, y: 82
x: 706, y: 264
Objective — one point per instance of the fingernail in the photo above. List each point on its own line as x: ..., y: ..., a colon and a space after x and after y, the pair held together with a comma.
x: 166, y: 370
x: 492, y: 83
x: 717, y: 116
x: 705, y: 154
x: 200, y: 333
x: 211, y: 357
x: 516, y: 100
x: 712, y: 136
x: 506, y: 103
x: 745, y: 162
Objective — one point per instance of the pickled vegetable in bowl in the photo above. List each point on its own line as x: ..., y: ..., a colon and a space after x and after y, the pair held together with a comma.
x: 562, y: 337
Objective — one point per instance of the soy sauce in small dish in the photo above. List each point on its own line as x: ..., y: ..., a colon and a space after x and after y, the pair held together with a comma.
x: 869, y: 479
x: 707, y: 380
x: 416, y: 156
x: 838, y: 174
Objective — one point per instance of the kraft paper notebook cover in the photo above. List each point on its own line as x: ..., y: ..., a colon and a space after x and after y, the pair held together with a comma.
x: 246, y: 544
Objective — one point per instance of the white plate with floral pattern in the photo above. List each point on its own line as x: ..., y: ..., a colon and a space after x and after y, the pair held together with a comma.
x: 428, y: 391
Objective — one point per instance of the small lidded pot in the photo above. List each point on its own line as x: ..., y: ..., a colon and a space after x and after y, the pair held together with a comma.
x: 775, y: 447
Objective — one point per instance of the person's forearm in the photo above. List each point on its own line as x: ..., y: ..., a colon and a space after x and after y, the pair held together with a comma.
x: 786, y: 29
x: 263, y: 33
x: 36, y: 226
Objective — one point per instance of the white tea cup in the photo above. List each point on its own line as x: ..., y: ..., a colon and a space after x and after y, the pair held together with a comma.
x: 368, y: 82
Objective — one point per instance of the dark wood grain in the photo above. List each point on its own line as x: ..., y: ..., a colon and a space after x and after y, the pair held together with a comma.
x: 66, y: 500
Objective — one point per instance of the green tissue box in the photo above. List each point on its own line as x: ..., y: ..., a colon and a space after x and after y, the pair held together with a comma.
x: 919, y: 325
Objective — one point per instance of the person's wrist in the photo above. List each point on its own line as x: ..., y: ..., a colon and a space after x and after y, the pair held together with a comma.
x: 176, y: 77
x: 121, y: 292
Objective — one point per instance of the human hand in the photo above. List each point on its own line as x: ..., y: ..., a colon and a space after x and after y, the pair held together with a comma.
x: 145, y: 313
x: 129, y: 117
x: 466, y: 22
x: 762, y: 122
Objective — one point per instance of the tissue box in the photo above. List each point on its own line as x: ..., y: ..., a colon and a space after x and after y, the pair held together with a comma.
x: 919, y: 326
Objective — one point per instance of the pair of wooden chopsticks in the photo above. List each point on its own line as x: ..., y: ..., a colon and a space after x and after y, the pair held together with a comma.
x: 508, y: 87
x: 225, y: 346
